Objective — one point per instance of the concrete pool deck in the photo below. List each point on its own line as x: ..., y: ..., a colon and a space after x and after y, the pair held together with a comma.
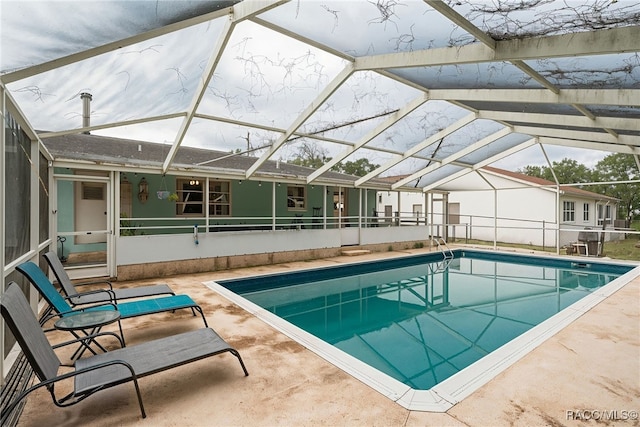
x: 591, y: 365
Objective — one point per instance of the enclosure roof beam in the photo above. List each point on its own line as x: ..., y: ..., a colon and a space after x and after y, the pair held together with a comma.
x: 200, y: 91
x: 328, y: 90
x: 613, y: 148
x: 109, y: 47
x: 599, y: 42
x: 617, y: 97
x: 418, y: 147
x: 16, y: 112
x: 452, y: 158
x: 314, y: 136
x: 46, y: 135
x: 241, y: 11
x: 306, y: 40
x: 630, y: 140
x: 386, y: 124
x: 620, y: 123
x: 481, y: 164
x: 462, y: 22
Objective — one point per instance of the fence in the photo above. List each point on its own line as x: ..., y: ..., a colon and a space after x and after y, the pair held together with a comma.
x: 545, y: 234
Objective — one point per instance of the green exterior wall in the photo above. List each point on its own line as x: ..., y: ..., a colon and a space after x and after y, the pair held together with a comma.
x: 249, y: 199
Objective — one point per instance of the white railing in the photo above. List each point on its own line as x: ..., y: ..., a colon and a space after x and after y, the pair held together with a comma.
x: 547, y: 235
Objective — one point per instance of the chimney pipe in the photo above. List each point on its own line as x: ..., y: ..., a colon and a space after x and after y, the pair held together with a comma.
x: 86, y: 110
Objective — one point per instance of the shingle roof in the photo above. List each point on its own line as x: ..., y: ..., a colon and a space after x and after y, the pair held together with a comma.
x: 544, y: 182
x: 126, y: 152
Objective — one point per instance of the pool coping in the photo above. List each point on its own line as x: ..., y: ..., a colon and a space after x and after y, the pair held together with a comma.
x: 446, y: 394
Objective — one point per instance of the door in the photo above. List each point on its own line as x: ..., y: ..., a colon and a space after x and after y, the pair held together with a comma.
x: 82, y: 214
x: 417, y: 213
x: 388, y: 213
x: 339, y: 205
x: 90, y: 206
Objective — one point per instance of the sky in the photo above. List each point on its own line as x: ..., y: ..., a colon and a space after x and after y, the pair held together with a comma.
x: 534, y: 156
x: 263, y: 77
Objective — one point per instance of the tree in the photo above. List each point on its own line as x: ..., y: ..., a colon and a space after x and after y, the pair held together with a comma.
x: 537, y: 171
x: 360, y: 167
x: 620, y: 167
x: 568, y: 171
x: 310, y: 155
x: 314, y: 156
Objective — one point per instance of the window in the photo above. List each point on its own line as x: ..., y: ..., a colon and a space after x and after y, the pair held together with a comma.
x: 18, y: 173
x: 604, y: 213
x: 296, y: 198
x: 568, y: 211
x: 585, y: 212
x: 190, y: 200
x: 219, y: 198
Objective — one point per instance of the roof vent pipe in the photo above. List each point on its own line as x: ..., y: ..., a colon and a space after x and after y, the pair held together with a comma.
x: 86, y: 110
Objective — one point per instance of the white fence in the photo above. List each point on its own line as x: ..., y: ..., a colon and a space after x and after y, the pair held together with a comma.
x: 141, y: 244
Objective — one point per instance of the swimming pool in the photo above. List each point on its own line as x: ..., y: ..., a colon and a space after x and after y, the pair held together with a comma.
x: 423, y: 331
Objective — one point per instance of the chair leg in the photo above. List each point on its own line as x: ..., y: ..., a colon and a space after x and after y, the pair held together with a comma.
x: 197, y: 307
x: 142, y: 411
x: 236, y: 354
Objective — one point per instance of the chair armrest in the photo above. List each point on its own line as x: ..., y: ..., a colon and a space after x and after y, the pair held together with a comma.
x: 87, y: 337
x: 61, y: 402
x: 111, y: 293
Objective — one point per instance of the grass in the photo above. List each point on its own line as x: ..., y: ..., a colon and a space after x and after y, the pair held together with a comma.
x: 505, y: 245
x: 627, y: 249
x: 623, y: 249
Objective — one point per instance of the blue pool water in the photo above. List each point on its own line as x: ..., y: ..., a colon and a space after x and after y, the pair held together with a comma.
x: 420, y: 319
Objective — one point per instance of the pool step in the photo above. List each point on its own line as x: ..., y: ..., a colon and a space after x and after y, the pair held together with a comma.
x: 355, y: 252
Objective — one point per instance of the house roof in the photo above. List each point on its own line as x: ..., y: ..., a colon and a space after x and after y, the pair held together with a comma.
x: 122, y: 153
x: 524, y: 179
x: 569, y: 190
x: 428, y: 89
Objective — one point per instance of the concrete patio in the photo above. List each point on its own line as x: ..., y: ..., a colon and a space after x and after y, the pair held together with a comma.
x: 591, y: 365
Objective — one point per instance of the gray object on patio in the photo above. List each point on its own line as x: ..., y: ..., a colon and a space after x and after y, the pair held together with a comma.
x: 78, y: 298
x: 104, y: 370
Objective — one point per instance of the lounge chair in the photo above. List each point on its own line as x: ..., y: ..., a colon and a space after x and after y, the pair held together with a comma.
x: 104, y: 370
x: 127, y: 309
x: 80, y: 298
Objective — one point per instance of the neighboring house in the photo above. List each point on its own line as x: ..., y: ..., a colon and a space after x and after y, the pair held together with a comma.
x: 113, y: 208
x: 527, y: 210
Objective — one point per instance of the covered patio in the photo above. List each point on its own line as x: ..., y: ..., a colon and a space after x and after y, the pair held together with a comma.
x: 568, y: 379
x: 429, y: 90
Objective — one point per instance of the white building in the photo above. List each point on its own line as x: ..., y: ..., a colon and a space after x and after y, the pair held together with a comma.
x: 526, y: 210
